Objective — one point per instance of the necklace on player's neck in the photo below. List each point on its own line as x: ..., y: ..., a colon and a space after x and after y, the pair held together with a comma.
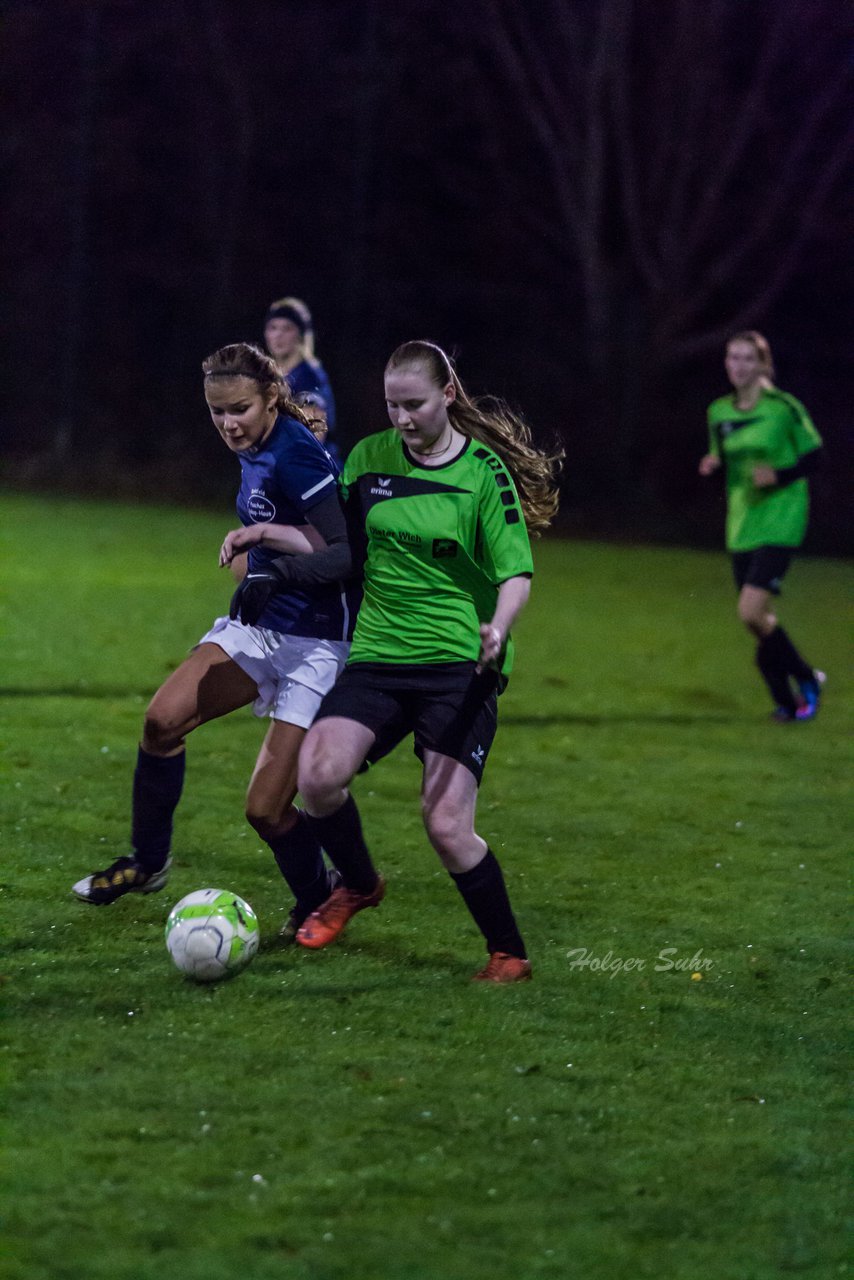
x: 436, y: 453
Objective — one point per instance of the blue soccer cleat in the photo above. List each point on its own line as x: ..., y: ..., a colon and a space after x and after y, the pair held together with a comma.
x: 811, y: 694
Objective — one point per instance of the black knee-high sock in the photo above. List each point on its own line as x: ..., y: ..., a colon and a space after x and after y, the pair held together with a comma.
x: 340, y: 834
x: 300, y: 860
x: 788, y: 655
x: 775, y: 673
x: 157, y: 785
x: 485, y: 894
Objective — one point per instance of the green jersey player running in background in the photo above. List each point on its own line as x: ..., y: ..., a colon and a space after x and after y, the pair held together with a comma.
x: 442, y: 505
x: 767, y: 444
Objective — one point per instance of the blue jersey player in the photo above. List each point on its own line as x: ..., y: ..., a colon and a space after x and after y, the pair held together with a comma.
x: 289, y: 336
x: 281, y: 648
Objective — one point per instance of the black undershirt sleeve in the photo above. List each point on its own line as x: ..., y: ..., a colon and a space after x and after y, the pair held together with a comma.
x: 334, y: 562
x: 805, y: 466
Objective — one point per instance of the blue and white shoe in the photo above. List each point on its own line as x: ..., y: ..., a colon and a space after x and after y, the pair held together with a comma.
x: 811, y: 694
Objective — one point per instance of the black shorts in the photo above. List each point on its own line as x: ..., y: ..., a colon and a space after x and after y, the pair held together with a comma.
x: 764, y: 567
x: 449, y: 707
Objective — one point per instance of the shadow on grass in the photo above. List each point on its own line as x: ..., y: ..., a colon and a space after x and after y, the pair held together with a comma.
x: 385, y: 951
x: 544, y: 721
x: 592, y: 722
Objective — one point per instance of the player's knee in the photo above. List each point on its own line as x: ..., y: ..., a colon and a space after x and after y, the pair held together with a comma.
x: 446, y: 827
x: 161, y: 732
x: 319, y: 770
x: 753, y: 615
x: 268, y: 817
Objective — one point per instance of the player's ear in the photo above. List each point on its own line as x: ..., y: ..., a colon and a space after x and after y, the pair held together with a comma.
x: 449, y: 394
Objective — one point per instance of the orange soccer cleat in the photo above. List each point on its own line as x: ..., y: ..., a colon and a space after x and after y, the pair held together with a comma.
x: 324, y: 925
x: 504, y: 968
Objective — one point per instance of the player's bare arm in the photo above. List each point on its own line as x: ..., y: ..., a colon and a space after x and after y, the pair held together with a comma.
x: 286, y: 538
x: 512, y: 597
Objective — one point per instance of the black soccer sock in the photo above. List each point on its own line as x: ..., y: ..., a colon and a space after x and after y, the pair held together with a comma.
x: 300, y: 860
x: 485, y: 894
x: 789, y: 657
x: 775, y: 672
x: 157, y: 785
x: 340, y: 834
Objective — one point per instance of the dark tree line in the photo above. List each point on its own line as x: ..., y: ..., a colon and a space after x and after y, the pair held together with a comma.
x: 581, y: 198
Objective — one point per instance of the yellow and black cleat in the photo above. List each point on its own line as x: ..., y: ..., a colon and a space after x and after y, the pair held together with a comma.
x: 125, y: 875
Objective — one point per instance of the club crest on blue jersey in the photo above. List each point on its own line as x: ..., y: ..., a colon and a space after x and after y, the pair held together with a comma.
x: 260, y: 507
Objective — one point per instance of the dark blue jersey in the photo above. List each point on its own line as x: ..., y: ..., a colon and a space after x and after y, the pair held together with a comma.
x: 309, y: 376
x: 280, y: 482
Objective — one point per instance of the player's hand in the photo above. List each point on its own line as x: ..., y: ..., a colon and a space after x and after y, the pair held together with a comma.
x: 491, y: 644
x: 709, y: 464
x: 252, y: 596
x: 237, y: 540
x: 764, y: 477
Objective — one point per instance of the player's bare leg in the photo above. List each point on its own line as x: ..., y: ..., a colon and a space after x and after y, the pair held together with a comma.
x: 206, y: 685
x: 449, y: 802
x: 778, y: 660
x: 332, y: 753
x: 270, y: 810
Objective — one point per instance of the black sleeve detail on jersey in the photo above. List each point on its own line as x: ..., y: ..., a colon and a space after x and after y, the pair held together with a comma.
x: 805, y: 466
x: 334, y: 562
x: 508, y: 499
x: 511, y: 517
x: 482, y: 453
x: 502, y: 479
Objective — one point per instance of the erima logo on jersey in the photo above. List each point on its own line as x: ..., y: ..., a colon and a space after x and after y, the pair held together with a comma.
x: 382, y: 488
x: 478, y: 755
x: 260, y: 507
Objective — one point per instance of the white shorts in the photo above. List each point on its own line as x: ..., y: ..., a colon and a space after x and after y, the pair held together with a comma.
x: 292, y: 672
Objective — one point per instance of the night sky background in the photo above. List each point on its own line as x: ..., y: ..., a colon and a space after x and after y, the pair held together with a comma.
x: 579, y: 199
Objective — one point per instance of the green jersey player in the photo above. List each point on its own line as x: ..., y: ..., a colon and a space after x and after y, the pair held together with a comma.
x: 767, y: 445
x: 440, y: 507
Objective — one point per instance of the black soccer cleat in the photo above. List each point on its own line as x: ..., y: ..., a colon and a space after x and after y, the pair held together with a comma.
x: 125, y: 875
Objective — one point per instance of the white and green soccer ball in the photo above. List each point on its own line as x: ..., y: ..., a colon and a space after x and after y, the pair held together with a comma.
x: 212, y: 934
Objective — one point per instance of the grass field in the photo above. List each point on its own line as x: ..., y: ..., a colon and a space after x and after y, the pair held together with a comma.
x: 365, y: 1112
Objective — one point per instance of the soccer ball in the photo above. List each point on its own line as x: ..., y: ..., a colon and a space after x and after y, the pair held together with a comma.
x: 211, y: 934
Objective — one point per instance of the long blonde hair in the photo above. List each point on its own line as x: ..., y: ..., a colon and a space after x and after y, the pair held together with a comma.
x: 493, y: 423
x: 243, y: 360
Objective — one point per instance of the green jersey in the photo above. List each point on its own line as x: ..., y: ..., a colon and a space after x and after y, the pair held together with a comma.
x: 776, y: 432
x: 440, y: 541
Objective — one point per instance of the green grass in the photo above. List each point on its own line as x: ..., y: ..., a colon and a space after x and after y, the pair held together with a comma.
x: 365, y: 1112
